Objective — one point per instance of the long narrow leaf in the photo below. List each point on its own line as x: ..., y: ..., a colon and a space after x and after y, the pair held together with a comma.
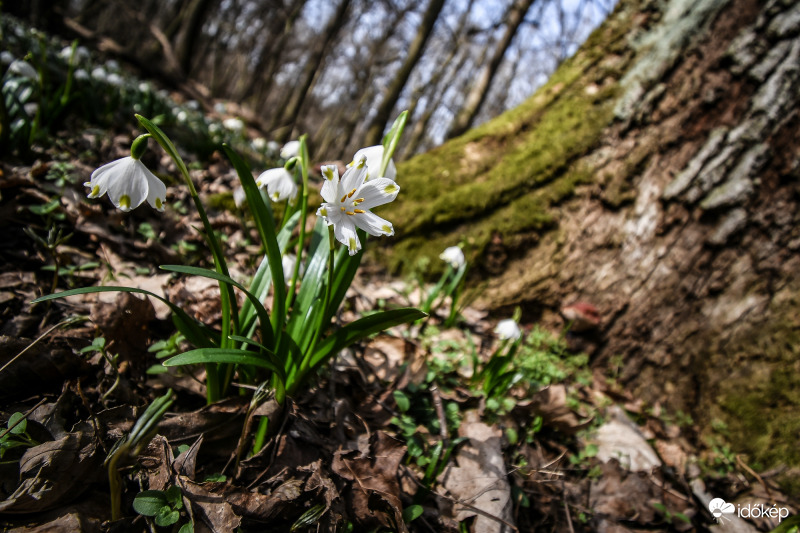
x: 361, y: 328
x: 195, y: 332
x: 263, y: 316
x: 266, y: 230
x: 223, y: 355
x: 313, y: 285
x: 262, y: 280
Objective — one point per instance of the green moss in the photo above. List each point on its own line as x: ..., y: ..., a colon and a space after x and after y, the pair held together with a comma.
x: 222, y: 201
x: 760, y: 401
x: 505, y: 176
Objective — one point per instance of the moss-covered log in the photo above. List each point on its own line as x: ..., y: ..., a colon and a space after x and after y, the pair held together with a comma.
x: 655, y: 176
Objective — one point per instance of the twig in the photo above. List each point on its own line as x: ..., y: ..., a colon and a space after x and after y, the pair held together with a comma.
x: 437, y: 403
x: 753, y: 473
x: 566, y: 511
x: 65, y: 322
x: 24, y: 417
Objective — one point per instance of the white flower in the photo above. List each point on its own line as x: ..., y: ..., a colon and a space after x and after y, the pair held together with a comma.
x: 273, y: 147
x: 100, y: 74
x: 507, y: 329
x: 260, y: 144
x: 24, y: 69
x: 6, y: 57
x: 128, y: 183
x: 114, y: 79
x: 233, y: 124
x: 31, y: 109
x: 280, y: 184
x: 288, y: 262
x: 374, y: 155
x: 453, y: 256
x: 290, y: 149
x: 112, y: 64
x: 81, y: 74
x: 348, y: 202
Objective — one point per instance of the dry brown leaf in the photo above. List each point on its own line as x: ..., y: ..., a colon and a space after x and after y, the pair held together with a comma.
x: 480, y: 478
x: 373, y: 472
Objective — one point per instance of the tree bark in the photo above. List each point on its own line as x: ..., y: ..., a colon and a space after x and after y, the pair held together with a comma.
x: 393, y: 90
x: 477, y: 94
x: 654, y: 176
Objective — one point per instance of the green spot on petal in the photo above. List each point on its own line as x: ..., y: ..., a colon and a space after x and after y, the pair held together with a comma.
x: 95, y: 192
x: 352, y: 245
x: 386, y: 229
x: 125, y: 202
x: 323, y: 212
x: 390, y: 189
x: 159, y: 203
x: 328, y: 172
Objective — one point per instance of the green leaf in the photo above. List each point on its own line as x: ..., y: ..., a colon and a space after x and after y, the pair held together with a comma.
x: 263, y: 316
x: 391, y: 139
x: 20, y: 428
x: 195, y: 332
x: 175, y: 497
x: 166, y: 516
x: 266, y: 230
x: 186, y: 528
x: 149, y: 502
x: 223, y: 355
x: 403, y: 403
x: 411, y: 513
x: 362, y: 328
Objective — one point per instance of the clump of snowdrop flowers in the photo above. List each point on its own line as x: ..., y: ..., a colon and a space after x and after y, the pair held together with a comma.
x: 374, y: 156
x: 128, y: 182
x: 507, y: 330
x: 453, y: 256
x: 279, y: 183
x: 348, y: 202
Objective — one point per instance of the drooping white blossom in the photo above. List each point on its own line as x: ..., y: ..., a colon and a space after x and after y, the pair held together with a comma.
x: 453, y: 256
x: 279, y: 183
x: 128, y: 183
x: 374, y: 155
x: 290, y: 150
x: 507, y: 330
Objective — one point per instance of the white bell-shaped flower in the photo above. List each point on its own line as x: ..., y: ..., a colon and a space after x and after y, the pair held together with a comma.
x: 453, y: 256
x: 279, y: 183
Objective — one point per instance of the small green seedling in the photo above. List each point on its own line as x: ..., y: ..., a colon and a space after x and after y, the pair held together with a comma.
x: 163, y: 506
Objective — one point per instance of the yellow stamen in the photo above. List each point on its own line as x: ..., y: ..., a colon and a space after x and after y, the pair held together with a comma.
x: 350, y: 194
x: 359, y: 210
x: 358, y: 201
x: 343, y: 209
x: 343, y: 198
x: 349, y: 213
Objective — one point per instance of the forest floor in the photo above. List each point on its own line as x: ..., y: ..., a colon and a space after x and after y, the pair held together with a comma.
x: 394, y: 434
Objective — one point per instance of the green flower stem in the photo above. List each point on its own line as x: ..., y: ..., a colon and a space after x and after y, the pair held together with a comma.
x: 305, y: 363
x: 303, y: 216
x: 115, y: 488
x: 227, y: 296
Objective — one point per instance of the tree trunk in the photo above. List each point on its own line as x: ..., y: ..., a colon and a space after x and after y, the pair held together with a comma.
x: 477, y: 94
x: 654, y: 176
x: 310, y: 70
x: 393, y: 90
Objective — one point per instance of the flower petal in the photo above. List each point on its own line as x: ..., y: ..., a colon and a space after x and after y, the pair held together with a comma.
x: 353, y: 177
x: 157, y: 191
x: 100, y: 177
x: 378, y: 192
x: 331, y: 184
x: 345, y: 233
x: 373, y: 224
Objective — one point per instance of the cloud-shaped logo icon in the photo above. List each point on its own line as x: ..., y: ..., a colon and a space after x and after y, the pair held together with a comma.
x: 720, y: 507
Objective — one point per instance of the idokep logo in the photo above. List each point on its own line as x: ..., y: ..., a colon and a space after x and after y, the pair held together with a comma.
x: 719, y: 508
